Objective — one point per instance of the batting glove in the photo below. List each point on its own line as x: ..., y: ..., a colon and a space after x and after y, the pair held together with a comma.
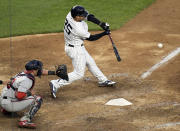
x: 104, y: 25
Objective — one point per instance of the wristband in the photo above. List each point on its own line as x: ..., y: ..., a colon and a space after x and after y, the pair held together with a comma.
x: 51, y: 73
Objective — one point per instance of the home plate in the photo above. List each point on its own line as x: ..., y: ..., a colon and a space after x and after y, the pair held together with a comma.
x: 118, y: 102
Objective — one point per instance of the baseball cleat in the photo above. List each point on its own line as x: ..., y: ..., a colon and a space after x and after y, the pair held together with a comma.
x: 53, y: 90
x: 26, y: 124
x: 107, y: 83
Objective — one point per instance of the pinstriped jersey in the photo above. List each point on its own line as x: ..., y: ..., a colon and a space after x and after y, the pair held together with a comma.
x: 75, y: 32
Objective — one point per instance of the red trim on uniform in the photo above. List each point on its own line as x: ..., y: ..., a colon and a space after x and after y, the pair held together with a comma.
x: 22, y: 100
x: 20, y: 95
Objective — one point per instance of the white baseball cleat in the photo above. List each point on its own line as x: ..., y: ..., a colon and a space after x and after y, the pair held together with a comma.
x: 107, y: 83
x: 53, y: 89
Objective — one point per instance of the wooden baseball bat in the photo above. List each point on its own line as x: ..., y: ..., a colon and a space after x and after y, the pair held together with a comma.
x: 115, y: 49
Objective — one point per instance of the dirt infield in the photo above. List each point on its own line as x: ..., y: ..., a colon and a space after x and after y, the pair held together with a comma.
x: 80, y: 106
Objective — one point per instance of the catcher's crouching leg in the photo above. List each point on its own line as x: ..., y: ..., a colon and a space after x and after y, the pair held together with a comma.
x: 25, y: 121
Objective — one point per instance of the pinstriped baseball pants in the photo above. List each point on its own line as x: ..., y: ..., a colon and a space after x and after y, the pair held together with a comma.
x: 80, y: 59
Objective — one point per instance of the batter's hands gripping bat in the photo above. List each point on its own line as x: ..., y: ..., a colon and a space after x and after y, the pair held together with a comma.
x: 115, y: 49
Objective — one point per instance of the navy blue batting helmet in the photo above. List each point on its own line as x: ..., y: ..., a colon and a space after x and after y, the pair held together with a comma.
x: 35, y: 65
x: 78, y: 11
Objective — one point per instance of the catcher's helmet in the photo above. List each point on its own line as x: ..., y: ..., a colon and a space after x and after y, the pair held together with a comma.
x: 35, y: 65
x: 78, y: 11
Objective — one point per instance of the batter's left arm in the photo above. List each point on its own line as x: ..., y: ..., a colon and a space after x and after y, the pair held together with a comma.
x: 93, y: 19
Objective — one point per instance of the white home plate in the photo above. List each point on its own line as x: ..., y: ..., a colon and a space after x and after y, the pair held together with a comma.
x: 118, y: 102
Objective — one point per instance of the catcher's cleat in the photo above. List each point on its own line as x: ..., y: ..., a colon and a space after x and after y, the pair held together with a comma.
x: 107, y: 83
x: 52, y: 89
x: 26, y: 124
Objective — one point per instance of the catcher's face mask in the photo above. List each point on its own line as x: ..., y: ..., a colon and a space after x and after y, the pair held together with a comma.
x: 40, y: 68
x: 35, y: 65
x: 39, y: 73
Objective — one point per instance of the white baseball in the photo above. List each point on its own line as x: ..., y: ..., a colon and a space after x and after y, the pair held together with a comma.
x: 160, y: 45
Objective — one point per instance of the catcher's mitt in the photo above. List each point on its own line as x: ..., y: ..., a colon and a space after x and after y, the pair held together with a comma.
x: 61, y: 71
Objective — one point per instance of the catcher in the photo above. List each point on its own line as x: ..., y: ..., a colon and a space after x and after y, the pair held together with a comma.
x: 17, y: 95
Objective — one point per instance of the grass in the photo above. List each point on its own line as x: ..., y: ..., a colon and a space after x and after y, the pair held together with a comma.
x: 21, y: 17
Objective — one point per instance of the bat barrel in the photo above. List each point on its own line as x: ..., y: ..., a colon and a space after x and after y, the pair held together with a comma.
x: 115, y: 49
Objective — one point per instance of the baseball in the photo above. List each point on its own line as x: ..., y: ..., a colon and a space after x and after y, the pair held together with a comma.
x: 160, y: 45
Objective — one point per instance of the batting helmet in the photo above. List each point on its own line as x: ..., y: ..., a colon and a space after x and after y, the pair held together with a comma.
x: 35, y: 65
x: 78, y: 11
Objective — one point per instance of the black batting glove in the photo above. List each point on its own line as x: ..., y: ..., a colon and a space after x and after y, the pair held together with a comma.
x: 107, y: 32
x: 104, y: 26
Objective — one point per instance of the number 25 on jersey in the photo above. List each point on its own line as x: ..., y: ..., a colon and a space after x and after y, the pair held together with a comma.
x: 67, y: 27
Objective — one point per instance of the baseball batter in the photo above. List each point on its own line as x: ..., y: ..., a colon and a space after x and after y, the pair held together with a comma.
x: 75, y: 32
x: 17, y: 95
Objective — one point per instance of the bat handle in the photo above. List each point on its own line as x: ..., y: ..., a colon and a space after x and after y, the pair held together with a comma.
x: 110, y: 38
x: 115, y: 49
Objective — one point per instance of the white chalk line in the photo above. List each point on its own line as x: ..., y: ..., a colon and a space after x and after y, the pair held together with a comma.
x: 164, y: 60
x: 114, y: 75
x: 167, y: 124
x: 170, y: 124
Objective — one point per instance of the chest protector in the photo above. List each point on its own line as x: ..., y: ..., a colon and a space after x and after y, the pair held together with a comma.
x: 12, y: 80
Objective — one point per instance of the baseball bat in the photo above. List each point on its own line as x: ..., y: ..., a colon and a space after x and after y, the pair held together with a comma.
x: 115, y: 49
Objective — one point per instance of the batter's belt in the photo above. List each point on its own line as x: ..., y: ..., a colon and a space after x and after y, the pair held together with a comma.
x: 73, y: 45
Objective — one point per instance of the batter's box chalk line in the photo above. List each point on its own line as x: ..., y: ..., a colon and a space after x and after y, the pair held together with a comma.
x: 163, y: 61
x: 114, y: 75
x: 170, y: 124
x: 118, y: 75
